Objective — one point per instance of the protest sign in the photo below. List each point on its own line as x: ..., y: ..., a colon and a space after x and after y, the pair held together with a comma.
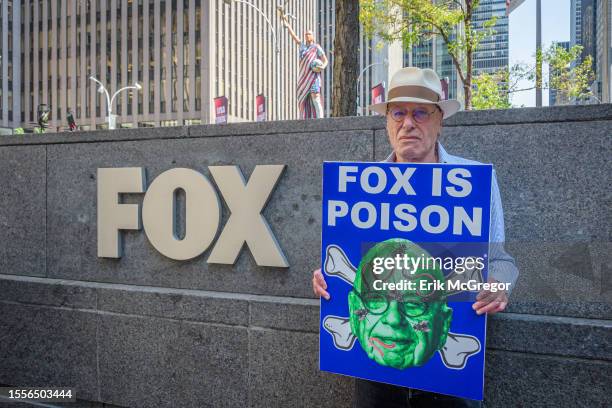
x: 404, y: 254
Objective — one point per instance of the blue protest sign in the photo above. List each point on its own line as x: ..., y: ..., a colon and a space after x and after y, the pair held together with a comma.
x: 404, y: 254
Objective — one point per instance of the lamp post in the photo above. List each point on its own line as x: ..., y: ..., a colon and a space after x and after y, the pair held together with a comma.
x: 277, y: 77
x: 359, y: 109
x: 109, y: 99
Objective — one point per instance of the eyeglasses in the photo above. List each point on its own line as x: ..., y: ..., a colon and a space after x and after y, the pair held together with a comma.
x: 378, y: 303
x: 419, y: 115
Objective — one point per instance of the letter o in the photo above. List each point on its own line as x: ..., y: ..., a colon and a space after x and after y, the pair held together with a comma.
x: 381, y: 182
x: 202, y: 213
x: 426, y: 221
x: 371, y: 215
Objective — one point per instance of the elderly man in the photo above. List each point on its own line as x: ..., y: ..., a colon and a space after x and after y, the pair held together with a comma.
x: 414, y: 111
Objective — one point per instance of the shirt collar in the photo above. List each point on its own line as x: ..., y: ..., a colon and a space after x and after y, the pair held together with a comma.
x: 442, y: 155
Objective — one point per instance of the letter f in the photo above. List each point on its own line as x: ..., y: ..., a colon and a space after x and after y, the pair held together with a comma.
x: 113, y: 216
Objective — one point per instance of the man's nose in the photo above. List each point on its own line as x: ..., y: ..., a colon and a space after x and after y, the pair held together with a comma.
x: 409, y: 121
x: 393, y: 317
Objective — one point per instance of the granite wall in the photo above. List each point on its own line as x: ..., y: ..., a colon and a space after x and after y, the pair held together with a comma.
x: 147, y: 331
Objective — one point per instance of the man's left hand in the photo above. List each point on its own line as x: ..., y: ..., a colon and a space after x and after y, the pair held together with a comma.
x: 490, y: 302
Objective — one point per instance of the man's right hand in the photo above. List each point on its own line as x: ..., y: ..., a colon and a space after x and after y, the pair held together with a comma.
x: 319, y: 285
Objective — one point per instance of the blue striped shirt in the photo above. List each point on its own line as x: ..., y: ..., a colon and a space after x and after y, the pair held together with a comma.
x: 501, y: 264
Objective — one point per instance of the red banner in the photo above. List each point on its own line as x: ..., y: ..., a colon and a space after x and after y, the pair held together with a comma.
x: 378, y: 94
x: 220, y: 110
x: 260, y: 108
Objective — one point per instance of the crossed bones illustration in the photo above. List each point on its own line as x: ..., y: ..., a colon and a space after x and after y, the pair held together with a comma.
x: 455, y: 352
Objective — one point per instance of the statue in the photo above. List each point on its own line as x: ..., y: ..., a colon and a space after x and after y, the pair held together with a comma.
x: 312, y: 62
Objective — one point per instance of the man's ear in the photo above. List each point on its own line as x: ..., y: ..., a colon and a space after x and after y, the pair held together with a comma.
x: 354, y: 318
x: 448, y: 317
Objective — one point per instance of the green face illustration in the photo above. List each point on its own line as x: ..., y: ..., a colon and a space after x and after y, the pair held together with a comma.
x: 398, y: 328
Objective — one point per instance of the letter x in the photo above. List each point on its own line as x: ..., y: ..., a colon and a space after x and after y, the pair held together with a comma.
x: 246, y: 223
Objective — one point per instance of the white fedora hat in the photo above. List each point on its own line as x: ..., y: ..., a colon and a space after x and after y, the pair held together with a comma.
x: 412, y: 84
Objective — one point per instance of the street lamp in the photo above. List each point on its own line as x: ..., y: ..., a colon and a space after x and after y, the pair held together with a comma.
x: 277, y: 77
x: 359, y: 109
x: 109, y: 99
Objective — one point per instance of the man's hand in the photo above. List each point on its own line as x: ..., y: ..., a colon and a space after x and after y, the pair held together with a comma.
x: 490, y: 302
x: 319, y: 285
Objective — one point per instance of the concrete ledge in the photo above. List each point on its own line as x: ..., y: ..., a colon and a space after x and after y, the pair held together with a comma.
x: 148, y: 361
x: 23, y: 212
x: 567, y: 308
x: 285, y: 372
x: 562, y: 336
x: 471, y: 118
x: 532, y: 115
x: 52, y: 347
x: 539, y: 334
x: 96, y: 136
x: 148, y: 331
x: 227, y: 308
x: 528, y: 380
x: 47, y: 292
x: 195, y: 307
x: 303, y: 316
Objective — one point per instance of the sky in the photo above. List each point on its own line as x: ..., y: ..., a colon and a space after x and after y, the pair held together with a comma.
x: 555, y: 27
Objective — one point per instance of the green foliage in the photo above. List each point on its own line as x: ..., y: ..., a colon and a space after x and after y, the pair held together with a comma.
x: 39, y: 130
x: 18, y: 131
x: 414, y: 21
x: 491, y: 91
x: 570, y: 78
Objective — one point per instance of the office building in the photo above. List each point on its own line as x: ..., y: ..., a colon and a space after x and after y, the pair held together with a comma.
x: 492, y: 54
x: 184, y: 53
x: 575, y: 22
x: 603, y: 45
x: 10, y: 66
x: 588, y: 31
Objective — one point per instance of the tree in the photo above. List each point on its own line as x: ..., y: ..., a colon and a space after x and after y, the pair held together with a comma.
x: 346, y: 58
x: 493, y: 90
x: 490, y: 91
x: 570, y: 78
x: 414, y: 21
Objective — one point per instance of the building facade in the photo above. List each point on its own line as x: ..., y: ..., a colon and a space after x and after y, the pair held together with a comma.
x: 10, y: 66
x: 492, y: 54
x: 575, y: 22
x: 591, y: 27
x: 603, y: 57
x: 184, y: 53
